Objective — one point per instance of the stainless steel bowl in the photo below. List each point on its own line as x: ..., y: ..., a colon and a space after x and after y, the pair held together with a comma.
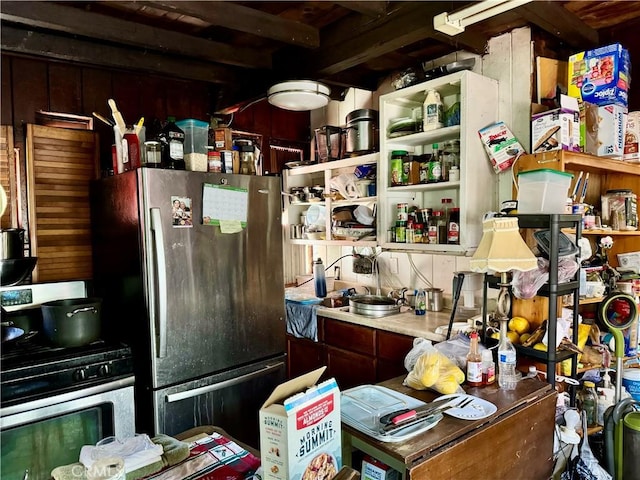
x: 373, y: 305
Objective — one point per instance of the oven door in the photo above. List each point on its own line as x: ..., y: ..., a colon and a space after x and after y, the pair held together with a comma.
x: 46, y: 433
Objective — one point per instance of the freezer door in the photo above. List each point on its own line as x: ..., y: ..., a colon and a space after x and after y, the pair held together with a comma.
x: 215, y: 300
x: 230, y: 400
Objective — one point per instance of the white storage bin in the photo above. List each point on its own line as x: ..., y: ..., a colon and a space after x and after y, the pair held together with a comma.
x: 543, y: 191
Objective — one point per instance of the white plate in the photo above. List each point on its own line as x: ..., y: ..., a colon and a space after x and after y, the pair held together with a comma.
x: 476, y: 410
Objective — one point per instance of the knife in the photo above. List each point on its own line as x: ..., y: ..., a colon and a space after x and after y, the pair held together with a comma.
x: 400, y: 416
x: 423, y: 413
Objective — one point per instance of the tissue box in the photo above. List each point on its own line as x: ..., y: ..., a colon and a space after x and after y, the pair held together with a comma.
x: 605, y: 130
x: 557, y: 129
x: 632, y: 138
x: 300, y: 429
x: 600, y: 76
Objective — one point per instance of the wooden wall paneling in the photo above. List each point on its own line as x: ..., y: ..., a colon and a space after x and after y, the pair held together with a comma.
x: 65, y: 88
x: 127, y: 91
x: 6, y: 92
x: 8, y: 177
x: 96, y: 90
x: 30, y: 83
x: 60, y: 165
x: 152, y: 102
x: 178, y: 104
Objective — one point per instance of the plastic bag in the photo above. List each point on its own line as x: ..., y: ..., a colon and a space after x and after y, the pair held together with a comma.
x: 525, y: 285
x: 432, y: 369
x: 583, y: 465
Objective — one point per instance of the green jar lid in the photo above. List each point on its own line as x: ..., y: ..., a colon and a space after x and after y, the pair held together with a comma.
x: 632, y: 421
x: 398, y: 153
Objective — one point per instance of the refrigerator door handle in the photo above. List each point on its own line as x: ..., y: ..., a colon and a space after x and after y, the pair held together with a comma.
x: 175, y: 397
x: 160, y: 282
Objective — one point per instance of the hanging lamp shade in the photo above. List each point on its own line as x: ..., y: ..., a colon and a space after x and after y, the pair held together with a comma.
x: 501, y: 248
x: 299, y: 95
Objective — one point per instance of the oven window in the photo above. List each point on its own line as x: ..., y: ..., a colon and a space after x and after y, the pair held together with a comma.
x: 48, y: 443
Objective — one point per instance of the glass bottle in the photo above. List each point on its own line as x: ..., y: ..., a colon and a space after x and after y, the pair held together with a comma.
x: 488, y: 368
x: 319, y: 280
x: 432, y: 228
x: 421, y: 302
x: 506, y: 360
x: 172, y: 140
x: 474, y: 362
x: 453, y: 229
x: 587, y: 401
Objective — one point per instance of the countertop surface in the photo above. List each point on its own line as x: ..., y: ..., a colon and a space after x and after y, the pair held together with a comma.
x: 407, y: 323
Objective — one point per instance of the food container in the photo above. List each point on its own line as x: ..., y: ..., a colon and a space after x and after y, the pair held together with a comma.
x: 362, y: 131
x: 620, y: 209
x: 196, y: 137
x: 543, y: 191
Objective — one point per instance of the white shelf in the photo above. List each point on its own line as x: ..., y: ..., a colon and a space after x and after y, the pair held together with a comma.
x: 335, y: 165
x: 424, y: 138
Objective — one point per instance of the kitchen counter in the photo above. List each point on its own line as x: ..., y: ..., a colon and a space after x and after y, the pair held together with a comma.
x: 407, y: 323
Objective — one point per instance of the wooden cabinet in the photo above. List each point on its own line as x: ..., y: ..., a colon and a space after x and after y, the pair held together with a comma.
x: 354, y: 355
x: 472, y: 193
x: 604, y: 174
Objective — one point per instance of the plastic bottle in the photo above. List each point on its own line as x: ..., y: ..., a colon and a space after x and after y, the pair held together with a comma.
x: 506, y: 360
x: 319, y: 279
x: 488, y: 368
x: 587, y: 401
x: 172, y: 140
x: 433, y: 111
x: 421, y: 302
x: 474, y: 362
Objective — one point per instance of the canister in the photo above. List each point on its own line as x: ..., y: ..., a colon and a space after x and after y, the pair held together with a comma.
x: 402, y: 214
x: 396, y: 167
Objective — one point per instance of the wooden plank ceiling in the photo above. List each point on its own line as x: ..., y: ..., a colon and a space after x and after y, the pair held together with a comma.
x: 244, y: 47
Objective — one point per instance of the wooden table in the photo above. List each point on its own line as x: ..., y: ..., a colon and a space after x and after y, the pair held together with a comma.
x: 516, y: 442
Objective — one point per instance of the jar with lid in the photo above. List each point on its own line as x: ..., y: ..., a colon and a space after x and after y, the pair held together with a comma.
x: 450, y: 157
x: 153, y: 154
x: 587, y: 401
x: 247, y: 160
x: 396, y: 170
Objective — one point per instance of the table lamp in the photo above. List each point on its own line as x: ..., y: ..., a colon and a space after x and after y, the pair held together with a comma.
x: 502, y: 250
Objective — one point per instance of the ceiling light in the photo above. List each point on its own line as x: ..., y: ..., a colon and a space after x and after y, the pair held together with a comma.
x: 299, y: 95
x: 455, y: 23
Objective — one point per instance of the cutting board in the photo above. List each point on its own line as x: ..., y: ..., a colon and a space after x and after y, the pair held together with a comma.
x: 60, y: 165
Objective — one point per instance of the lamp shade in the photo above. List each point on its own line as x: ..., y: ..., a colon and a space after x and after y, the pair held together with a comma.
x: 299, y: 95
x: 501, y: 248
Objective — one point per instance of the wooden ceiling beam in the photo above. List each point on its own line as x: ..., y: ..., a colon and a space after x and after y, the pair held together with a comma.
x: 368, y: 8
x: 40, y: 44
x: 245, y: 19
x: 409, y: 23
x: 78, y: 22
x: 553, y: 18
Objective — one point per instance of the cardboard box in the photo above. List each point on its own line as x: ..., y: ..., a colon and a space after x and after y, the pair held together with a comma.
x: 605, y: 130
x: 557, y: 129
x: 300, y: 430
x: 223, y: 138
x: 501, y: 145
x: 600, y: 76
x: 632, y: 138
x: 373, y: 469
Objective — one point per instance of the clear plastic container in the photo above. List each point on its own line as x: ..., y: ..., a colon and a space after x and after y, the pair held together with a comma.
x: 543, y: 191
x: 196, y: 135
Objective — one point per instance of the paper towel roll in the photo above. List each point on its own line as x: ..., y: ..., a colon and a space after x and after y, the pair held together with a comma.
x: 110, y: 468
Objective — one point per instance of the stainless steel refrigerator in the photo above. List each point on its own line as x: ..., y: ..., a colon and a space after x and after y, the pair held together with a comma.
x: 201, y: 304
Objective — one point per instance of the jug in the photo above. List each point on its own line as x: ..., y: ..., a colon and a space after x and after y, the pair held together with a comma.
x: 12, y: 243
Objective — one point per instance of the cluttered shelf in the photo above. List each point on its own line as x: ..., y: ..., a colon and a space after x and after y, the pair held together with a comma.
x: 603, y: 232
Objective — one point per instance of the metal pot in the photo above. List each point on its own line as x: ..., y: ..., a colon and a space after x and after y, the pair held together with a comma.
x: 362, y: 131
x: 12, y: 243
x: 373, y: 305
x: 72, y: 322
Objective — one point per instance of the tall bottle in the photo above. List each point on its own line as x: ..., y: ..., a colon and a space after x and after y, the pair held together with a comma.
x: 421, y: 302
x: 172, y: 140
x: 474, y: 362
x: 319, y: 279
x: 433, y: 111
x: 506, y: 360
x: 453, y: 229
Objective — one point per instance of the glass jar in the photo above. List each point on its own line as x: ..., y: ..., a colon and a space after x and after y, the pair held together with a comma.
x: 397, y: 167
x: 587, y: 401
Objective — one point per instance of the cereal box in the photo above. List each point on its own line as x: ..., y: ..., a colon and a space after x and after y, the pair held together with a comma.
x: 605, y: 126
x: 373, y: 469
x: 600, y: 76
x: 501, y: 145
x: 557, y: 129
x: 300, y: 430
x: 632, y: 138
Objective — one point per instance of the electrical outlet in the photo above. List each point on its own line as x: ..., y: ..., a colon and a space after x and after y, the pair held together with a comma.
x: 393, y: 266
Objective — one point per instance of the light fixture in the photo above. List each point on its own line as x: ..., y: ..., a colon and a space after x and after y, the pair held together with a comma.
x: 502, y: 250
x: 455, y: 23
x: 299, y: 95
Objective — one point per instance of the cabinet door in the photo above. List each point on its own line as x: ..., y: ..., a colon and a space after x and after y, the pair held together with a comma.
x: 350, y: 369
x: 392, y: 348
x: 303, y: 355
x: 348, y: 336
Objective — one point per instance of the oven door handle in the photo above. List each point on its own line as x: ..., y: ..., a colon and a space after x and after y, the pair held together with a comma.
x: 159, y: 283
x: 176, y: 397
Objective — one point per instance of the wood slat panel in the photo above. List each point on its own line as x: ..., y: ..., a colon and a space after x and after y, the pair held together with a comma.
x: 8, y: 177
x: 60, y: 165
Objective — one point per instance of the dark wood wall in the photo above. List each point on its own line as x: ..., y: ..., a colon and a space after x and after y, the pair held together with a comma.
x: 32, y: 84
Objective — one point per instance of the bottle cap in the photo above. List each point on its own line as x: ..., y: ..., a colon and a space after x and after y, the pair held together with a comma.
x: 486, y: 356
x: 589, y: 384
